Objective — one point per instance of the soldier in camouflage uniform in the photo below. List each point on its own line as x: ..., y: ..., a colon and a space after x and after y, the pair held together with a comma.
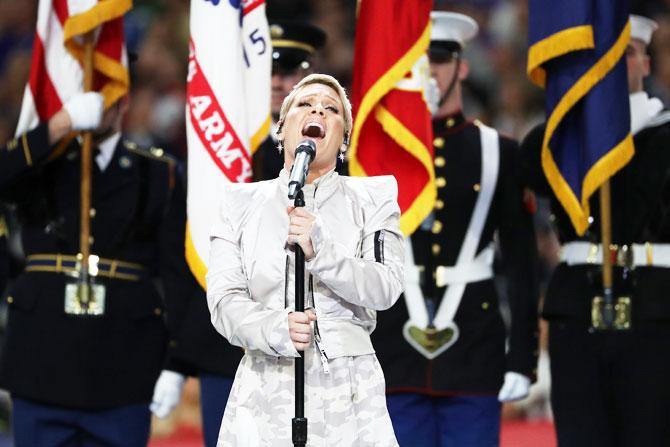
x: 349, y: 231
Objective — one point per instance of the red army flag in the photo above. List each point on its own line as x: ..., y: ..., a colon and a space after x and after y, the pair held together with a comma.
x: 228, y: 108
x: 392, y: 131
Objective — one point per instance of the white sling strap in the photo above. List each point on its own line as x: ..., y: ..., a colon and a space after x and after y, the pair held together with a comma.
x: 469, y: 268
x: 414, y: 299
x: 489, y: 178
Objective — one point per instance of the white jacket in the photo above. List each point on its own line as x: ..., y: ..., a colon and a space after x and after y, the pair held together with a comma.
x: 357, y: 268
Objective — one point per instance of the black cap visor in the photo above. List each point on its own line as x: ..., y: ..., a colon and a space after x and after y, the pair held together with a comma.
x: 289, y: 60
x: 442, y: 52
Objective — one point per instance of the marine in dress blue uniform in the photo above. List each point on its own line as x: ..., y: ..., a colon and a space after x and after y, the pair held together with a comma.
x: 445, y: 376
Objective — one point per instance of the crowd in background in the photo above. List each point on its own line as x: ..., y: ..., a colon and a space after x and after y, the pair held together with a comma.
x: 498, y: 91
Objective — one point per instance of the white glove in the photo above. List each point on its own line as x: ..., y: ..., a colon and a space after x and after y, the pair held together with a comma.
x: 515, y: 387
x: 433, y: 96
x: 85, y: 110
x: 167, y: 393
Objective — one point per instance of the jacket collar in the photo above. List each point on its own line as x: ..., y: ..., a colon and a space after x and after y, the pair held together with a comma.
x: 322, y: 188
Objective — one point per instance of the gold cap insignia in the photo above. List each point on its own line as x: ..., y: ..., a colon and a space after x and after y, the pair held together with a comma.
x: 276, y: 31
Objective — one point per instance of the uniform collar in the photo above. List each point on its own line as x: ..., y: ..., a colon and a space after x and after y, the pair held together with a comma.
x: 449, y: 122
x: 107, y: 148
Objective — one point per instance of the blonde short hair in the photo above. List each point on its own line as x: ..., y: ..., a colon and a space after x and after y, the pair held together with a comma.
x: 319, y: 78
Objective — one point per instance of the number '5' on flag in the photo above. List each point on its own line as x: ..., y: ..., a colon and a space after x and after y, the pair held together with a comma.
x: 228, y: 108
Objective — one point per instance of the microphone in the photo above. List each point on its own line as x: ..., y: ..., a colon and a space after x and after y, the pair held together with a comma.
x: 304, y: 154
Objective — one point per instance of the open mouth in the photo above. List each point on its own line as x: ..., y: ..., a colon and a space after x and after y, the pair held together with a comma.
x: 313, y: 130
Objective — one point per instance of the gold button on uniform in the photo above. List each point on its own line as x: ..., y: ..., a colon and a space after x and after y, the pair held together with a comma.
x: 476, y: 187
x: 485, y: 305
x: 92, y: 212
x: 451, y: 122
x: 276, y: 31
x: 439, y: 162
x: 158, y: 311
x: 440, y: 182
x: 438, y: 142
x: 437, y: 227
x: 436, y: 249
x: 10, y: 299
x: 439, y: 204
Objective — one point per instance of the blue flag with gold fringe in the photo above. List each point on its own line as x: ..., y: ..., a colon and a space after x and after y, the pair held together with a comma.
x: 575, y: 53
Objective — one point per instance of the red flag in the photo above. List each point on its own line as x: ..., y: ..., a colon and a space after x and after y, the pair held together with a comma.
x: 392, y: 125
x: 56, y: 72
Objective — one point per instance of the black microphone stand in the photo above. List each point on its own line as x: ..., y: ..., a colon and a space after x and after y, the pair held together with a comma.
x: 299, y: 422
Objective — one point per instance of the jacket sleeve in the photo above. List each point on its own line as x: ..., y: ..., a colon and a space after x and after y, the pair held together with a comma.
x: 235, y: 315
x: 530, y: 162
x: 178, y: 282
x: 4, y: 254
x: 519, y: 252
x: 375, y: 280
x: 21, y: 154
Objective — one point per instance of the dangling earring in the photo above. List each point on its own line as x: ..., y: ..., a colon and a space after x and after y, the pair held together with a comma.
x: 280, y: 146
x: 343, y: 148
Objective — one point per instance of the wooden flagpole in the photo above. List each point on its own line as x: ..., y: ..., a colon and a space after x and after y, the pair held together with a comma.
x: 606, y: 237
x: 86, y: 162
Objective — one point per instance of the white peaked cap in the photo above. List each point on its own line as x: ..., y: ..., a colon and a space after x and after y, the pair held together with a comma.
x: 641, y: 28
x: 452, y: 27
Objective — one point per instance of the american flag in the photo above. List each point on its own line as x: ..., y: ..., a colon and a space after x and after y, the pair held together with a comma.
x: 57, y: 72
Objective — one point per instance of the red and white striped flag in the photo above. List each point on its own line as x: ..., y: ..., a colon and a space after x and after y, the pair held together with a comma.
x: 57, y: 73
x: 228, y: 108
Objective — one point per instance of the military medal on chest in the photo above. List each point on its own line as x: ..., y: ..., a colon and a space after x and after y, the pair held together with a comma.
x: 432, y: 333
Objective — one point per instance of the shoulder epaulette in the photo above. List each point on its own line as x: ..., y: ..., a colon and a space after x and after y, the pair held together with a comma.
x: 154, y: 153
x: 3, y: 227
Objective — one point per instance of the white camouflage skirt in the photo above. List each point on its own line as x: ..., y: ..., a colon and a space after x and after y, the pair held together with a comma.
x: 344, y: 407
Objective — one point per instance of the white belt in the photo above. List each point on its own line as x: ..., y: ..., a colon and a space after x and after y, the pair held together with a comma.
x: 634, y: 255
x: 479, y: 269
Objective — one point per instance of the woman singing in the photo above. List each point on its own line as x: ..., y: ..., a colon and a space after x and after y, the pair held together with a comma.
x: 349, y: 232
